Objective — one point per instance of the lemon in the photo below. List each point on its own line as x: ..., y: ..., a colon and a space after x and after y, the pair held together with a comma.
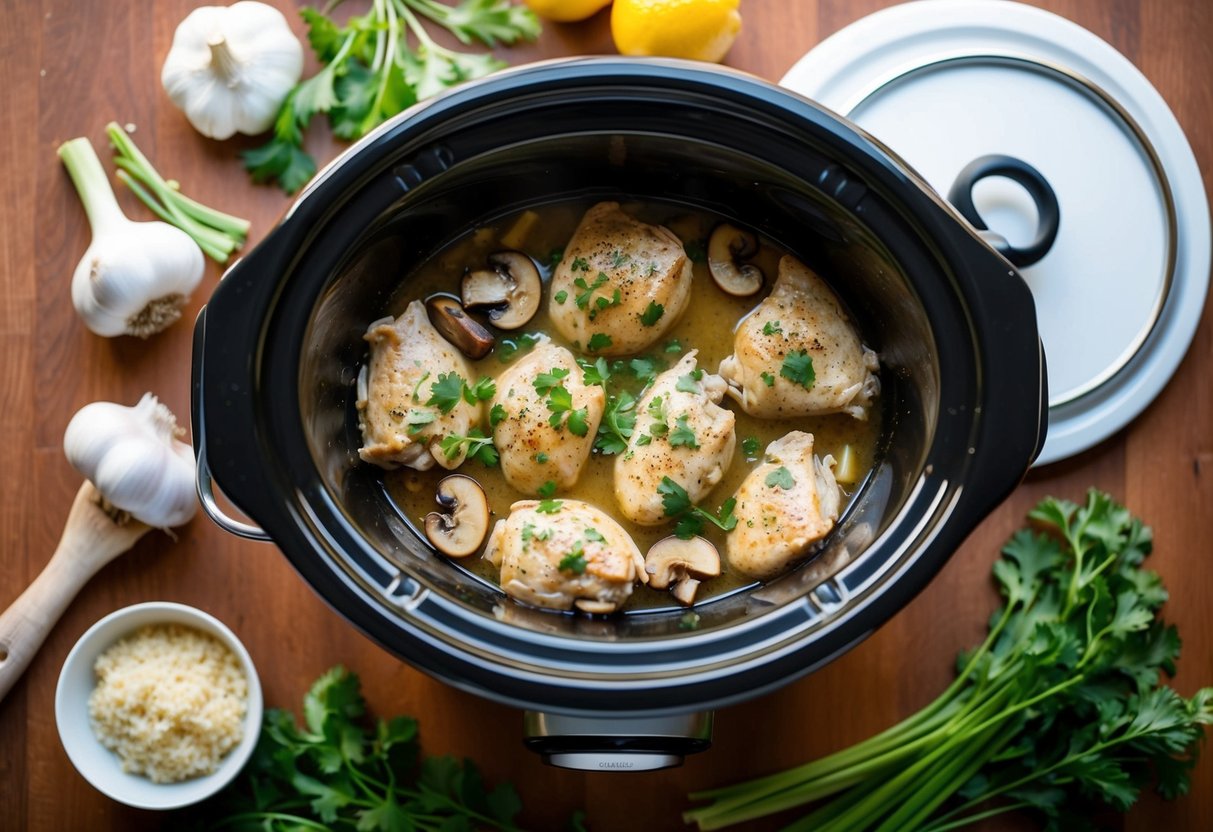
x: 566, y: 11
x: 702, y: 30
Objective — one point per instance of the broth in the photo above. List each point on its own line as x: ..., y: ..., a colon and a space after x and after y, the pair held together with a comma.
x: 707, y: 325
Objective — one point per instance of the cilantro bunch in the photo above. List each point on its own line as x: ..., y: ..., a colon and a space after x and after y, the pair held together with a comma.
x: 372, y: 72
x: 1059, y: 710
x: 338, y: 771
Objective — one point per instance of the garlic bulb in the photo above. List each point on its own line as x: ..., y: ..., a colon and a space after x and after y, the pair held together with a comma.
x: 133, y: 457
x: 135, y: 276
x: 231, y: 67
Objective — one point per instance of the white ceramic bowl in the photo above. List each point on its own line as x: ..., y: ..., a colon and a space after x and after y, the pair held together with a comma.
x: 100, y: 766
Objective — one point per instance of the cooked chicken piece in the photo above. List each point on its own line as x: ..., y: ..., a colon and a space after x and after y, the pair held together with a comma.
x: 783, y: 506
x: 561, y: 553
x: 530, y: 394
x: 398, y: 426
x: 681, y: 433
x: 621, y: 280
x: 798, y: 354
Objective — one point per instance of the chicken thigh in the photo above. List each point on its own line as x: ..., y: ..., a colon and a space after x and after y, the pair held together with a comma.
x: 784, y: 505
x: 621, y: 285
x: 798, y: 354
x: 399, y: 426
x: 682, y: 433
x: 564, y: 553
x: 544, y: 418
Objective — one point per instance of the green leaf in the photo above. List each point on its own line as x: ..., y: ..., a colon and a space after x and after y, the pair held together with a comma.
x: 652, y: 314
x: 577, y: 422
x: 781, y: 477
x: 488, y: 21
x: 385, y: 817
x: 323, y: 35
x: 767, y: 379
x: 750, y: 446
x: 544, y: 382
x: 280, y: 160
x: 549, y: 506
x: 598, y: 341
x: 682, y: 435
x: 689, y: 382
x: 336, y: 695
x: 574, y: 561
x: 446, y: 392
x: 497, y: 415
x: 798, y: 368
x: 772, y: 328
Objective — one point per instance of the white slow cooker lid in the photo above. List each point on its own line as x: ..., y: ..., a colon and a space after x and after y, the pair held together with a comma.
x: 1120, y: 293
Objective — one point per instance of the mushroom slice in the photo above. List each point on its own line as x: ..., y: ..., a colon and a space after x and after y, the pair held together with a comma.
x: 510, y: 289
x: 595, y: 607
x: 728, y: 245
x: 455, y: 325
x: 461, y: 530
x: 679, y: 565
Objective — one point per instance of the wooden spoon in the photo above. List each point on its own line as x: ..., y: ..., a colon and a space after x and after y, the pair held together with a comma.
x: 92, y: 536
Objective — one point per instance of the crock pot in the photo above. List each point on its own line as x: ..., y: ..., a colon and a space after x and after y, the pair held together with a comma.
x: 278, y: 347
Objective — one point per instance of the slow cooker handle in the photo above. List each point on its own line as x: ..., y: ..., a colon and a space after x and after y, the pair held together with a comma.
x: 1017, y: 170
x: 206, y: 495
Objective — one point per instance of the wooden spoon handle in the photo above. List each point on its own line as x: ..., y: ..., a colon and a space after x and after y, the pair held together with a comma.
x: 90, y: 540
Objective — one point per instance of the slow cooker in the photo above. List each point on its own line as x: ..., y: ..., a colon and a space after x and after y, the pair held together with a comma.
x: 278, y: 347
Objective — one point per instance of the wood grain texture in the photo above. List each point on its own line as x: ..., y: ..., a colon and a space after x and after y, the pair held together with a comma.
x: 70, y: 67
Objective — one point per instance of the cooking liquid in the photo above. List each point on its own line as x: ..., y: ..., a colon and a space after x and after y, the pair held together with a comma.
x: 707, y: 324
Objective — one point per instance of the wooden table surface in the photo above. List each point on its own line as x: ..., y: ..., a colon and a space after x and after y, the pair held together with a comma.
x: 71, y: 67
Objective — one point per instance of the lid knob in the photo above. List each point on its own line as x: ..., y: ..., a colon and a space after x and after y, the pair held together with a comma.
x: 1047, y: 209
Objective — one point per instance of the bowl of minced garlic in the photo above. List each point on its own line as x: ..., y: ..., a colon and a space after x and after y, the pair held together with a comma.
x: 158, y: 705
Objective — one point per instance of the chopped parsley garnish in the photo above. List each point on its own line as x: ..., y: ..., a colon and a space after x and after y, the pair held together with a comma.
x: 645, y: 369
x: 674, y: 346
x: 561, y: 296
x: 554, y: 258
x: 528, y: 531
x: 579, y: 265
x: 541, y: 457
x: 772, y: 328
x: 677, y: 503
x: 510, y: 348
x: 546, y: 381
x: 652, y: 314
x: 482, y: 391
x: 549, y: 506
x: 682, y: 435
x: 656, y: 408
x: 547, y: 489
x: 418, y: 418
x: 750, y: 445
x: 417, y: 386
x: 446, y: 392
x: 781, y: 477
x: 644, y: 439
x: 696, y: 251
x: 560, y: 402
x: 618, y: 258
x: 798, y: 368
x: 689, y: 621
x: 587, y: 289
x: 594, y: 535
x: 574, y: 561
x: 689, y: 383
x: 478, y: 447
x: 618, y: 423
x: 598, y: 341
x: 769, y: 379
x: 496, y: 416
x: 596, y: 371
x: 601, y: 303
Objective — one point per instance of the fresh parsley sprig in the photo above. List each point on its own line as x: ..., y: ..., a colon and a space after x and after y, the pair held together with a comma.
x: 1059, y: 710
x: 690, y: 518
x: 339, y: 770
x: 371, y: 72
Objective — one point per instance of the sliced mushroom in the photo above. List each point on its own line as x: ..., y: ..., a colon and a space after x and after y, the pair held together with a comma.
x: 595, y: 607
x: 728, y: 245
x: 456, y: 326
x: 679, y: 565
x: 510, y: 289
x: 461, y: 530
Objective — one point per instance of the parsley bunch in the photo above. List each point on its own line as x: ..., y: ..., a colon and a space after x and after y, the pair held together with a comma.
x: 338, y: 771
x: 371, y: 72
x: 1059, y: 710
